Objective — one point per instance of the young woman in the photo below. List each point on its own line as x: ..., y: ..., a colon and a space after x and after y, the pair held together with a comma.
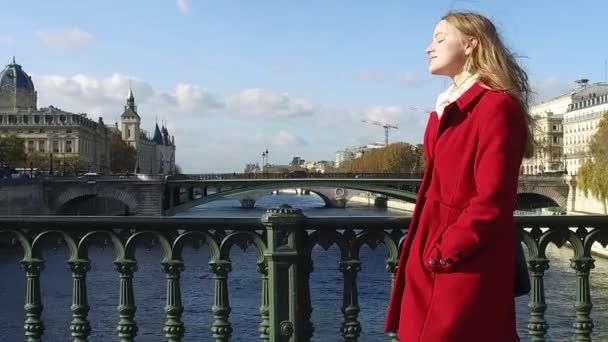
x: 456, y: 270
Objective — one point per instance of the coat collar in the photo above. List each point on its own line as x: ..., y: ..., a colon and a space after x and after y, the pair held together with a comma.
x: 464, y: 102
x: 470, y: 97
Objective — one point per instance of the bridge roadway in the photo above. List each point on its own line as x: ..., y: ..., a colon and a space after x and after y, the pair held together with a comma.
x: 144, y: 195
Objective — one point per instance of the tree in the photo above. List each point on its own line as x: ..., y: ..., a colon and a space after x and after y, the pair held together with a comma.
x: 37, y: 160
x: 122, y: 156
x: 12, y: 151
x: 593, y: 174
x: 398, y: 158
x: 70, y: 165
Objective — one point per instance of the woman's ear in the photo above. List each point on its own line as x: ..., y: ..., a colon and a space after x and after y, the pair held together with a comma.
x: 470, y: 45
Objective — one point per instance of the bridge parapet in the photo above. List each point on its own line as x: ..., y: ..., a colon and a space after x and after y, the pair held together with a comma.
x: 284, y: 240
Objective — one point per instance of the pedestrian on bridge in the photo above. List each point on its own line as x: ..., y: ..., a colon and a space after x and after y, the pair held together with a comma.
x: 455, y: 278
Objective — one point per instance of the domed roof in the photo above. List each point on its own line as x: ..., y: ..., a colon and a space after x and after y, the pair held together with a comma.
x: 14, y: 76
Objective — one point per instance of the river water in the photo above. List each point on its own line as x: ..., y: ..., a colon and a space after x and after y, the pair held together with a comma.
x: 245, y: 288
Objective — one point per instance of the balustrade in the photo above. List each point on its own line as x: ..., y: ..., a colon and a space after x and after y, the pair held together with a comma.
x: 284, y: 240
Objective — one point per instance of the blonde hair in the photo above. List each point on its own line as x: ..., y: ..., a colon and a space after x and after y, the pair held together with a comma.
x: 495, y: 64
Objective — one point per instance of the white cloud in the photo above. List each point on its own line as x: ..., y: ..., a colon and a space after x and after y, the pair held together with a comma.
x: 191, y: 98
x: 260, y: 103
x: 65, y: 39
x: 549, y: 87
x: 384, y: 114
x: 183, y: 6
x: 216, y: 133
x: 371, y: 77
x: 283, y: 137
x: 409, y: 79
x: 6, y: 39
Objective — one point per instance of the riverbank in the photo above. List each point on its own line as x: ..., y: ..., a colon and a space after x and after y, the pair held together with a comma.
x: 366, y: 198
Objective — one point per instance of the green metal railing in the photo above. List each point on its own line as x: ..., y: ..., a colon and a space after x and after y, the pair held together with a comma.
x: 284, y: 239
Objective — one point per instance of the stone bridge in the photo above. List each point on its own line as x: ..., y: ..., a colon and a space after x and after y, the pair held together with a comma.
x: 558, y: 189
x: 143, y: 195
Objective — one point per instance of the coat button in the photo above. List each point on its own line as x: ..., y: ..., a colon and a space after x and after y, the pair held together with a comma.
x: 432, y: 261
x: 447, y: 261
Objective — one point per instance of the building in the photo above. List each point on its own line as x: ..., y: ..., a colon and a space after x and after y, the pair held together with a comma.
x: 564, y: 128
x: 318, y: 166
x: 581, y: 122
x: 345, y: 155
x: 297, y: 161
x: 50, y: 132
x: 60, y: 136
x: 155, y: 155
x: 548, y: 135
x: 549, y: 151
x: 355, y: 152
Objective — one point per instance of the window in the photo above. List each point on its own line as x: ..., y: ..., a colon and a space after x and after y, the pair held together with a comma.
x: 25, y: 119
x: 128, y: 133
x: 36, y: 118
x: 68, y: 131
x: 30, y: 146
x: 41, y: 131
x: 41, y: 145
x: 555, y: 140
x: 55, y: 146
x: 68, y: 146
x: 554, y: 127
x: 48, y: 119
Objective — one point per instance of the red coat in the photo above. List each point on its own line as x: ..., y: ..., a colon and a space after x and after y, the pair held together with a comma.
x: 454, y: 282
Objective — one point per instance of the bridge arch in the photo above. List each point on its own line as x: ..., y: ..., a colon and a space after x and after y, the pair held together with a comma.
x: 79, y: 193
x: 382, y: 189
x: 550, y: 193
x: 328, y: 197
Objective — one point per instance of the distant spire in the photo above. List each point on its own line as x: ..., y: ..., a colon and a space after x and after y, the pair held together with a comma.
x: 14, y: 60
x: 131, y: 100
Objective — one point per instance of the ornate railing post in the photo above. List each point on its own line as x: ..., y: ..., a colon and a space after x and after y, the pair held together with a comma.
x: 309, y: 328
x: 583, y: 324
x: 221, y: 327
x: 33, y: 302
x: 391, y: 268
x: 264, y: 310
x: 537, y: 324
x: 80, y: 326
x: 174, y: 327
x: 284, y: 258
x: 127, y: 328
x: 351, y: 328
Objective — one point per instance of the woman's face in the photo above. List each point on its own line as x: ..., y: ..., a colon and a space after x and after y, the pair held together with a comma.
x: 448, y: 50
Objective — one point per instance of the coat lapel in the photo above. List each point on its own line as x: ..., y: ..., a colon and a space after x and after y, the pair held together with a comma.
x: 462, y: 104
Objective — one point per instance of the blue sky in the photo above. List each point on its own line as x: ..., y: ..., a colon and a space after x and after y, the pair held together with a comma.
x: 233, y: 78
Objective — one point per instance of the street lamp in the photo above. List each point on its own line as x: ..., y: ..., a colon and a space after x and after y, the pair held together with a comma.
x: 265, y: 162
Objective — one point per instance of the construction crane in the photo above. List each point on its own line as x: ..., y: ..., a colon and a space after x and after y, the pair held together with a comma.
x: 384, y: 125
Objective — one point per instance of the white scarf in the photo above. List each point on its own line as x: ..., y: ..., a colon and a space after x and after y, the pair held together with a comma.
x: 453, y: 93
